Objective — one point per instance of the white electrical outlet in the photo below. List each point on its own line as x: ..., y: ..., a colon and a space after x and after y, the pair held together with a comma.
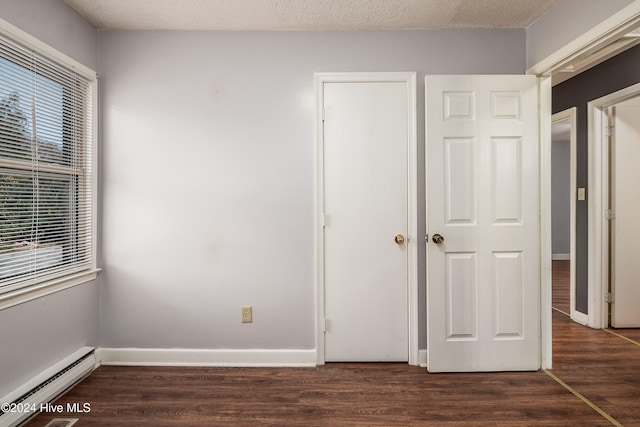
x: 247, y: 315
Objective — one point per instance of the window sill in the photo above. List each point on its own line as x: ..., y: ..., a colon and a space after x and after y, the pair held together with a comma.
x: 21, y: 296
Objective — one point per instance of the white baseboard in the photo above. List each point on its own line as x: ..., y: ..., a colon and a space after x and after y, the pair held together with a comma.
x: 581, y: 318
x: 204, y: 357
x: 561, y: 257
x: 422, y: 358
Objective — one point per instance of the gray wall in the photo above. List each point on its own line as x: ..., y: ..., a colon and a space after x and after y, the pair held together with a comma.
x: 560, y: 197
x: 565, y: 21
x: 39, y: 333
x: 208, y: 177
x: 56, y: 24
x: 610, y: 76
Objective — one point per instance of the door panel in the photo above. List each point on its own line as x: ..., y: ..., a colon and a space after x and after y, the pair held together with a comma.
x: 506, y: 182
x: 365, y: 203
x: 461, y: 287
x: 625, y: 226
x: 508, y: 289
x: 460, y: 195
x: 483, y: 281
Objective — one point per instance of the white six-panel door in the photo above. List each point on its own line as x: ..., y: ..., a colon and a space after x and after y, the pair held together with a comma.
x: 483, y: 280
x: 365, y: 177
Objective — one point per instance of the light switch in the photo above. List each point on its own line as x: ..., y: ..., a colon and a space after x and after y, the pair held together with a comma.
x: 581, y: 193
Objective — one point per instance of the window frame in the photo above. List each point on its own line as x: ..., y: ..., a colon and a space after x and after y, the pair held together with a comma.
x: 47, y: 284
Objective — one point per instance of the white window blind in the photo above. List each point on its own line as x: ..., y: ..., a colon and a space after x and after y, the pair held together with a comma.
x: 46, y: 176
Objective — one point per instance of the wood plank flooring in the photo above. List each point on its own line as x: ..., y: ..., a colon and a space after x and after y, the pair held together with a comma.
x: 560, y: 286
x: 603, y: 367
x: 632, y: 334
x: 332, y: 395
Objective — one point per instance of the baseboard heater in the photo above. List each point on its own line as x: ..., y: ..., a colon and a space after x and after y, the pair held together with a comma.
x: 46, y: 386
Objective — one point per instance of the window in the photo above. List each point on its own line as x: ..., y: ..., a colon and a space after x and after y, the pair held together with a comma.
x: 47, y: 186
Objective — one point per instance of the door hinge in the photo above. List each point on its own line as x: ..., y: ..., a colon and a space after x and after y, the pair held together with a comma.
x: 609, y: 130
x: 608, y: 298
x: 323, y: 220
x: 610, y: 214
x: 324, y: 325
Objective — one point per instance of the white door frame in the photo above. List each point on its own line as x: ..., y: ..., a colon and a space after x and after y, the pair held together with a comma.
x: 570, y: 114
x: 599, y: 36
x: 598, y: 203
x: 409, y: 78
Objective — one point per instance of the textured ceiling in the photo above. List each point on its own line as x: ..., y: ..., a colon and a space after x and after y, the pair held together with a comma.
x: 308, y: 14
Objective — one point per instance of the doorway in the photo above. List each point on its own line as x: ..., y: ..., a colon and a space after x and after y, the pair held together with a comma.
x: 613, y: 146
x: 564, y: 196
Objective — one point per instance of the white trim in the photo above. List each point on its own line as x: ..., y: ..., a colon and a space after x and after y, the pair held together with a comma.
x: 591, y: 41
x: 412, y: 218
x: 95, y: 146
x: 579, y: 317
x: 27, y: 40
x: 595, y: 217
x: 26, y: 294
x: 544, y: 111
x: 15, y: 294
x: 598, y: 57
x: 422, y: 358
x: 571, y: 115
x: 561, y: 257
x: 319, y: 217
x: 598, y: 202
x: 412, y: 209
x: 205, y: 357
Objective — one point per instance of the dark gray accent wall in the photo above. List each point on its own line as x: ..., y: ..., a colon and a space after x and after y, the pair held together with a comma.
x: 615, y: 74
x: 560, y: 197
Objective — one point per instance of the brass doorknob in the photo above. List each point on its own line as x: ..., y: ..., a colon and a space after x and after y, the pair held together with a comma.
x: 437, y: 238
x: 399, y: 239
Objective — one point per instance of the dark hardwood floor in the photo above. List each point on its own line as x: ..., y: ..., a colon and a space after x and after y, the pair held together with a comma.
x: 331, y: 395
x: 632, y: 334
x: 560, y: 286
x: 602, y: 367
